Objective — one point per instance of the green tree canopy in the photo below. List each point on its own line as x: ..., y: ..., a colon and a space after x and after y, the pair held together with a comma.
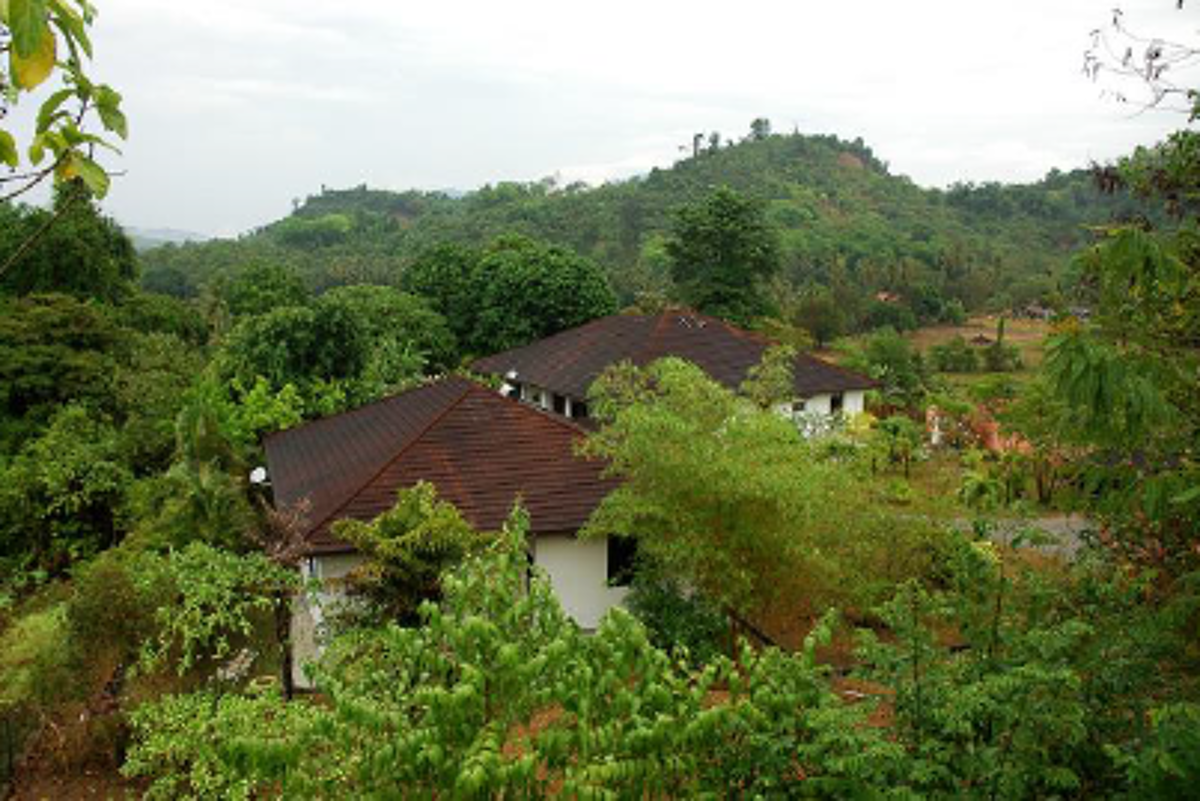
x: 447, y: 277
x: 721, y: 249
x: 296, y: 345
x: 61, y: 496
x: 728, y: 496
x: 260, y: 287
x: 534, y: 290
x: 53, y: 349
x: 395, y: 324
x: 891, y: 360
x: 81, y: 253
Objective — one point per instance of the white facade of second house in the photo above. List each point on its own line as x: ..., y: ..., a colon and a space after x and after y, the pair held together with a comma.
x: 813, y: 414
x: 847, y: 404
x: 580, y: 571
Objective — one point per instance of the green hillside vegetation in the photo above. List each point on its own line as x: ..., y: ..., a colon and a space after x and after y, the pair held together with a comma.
x: 846, y: 226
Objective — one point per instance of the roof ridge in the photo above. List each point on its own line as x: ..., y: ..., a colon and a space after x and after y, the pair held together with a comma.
x: 654, y: 333
x: 470, y: 385
x: 426, y: 383
x: 563, y: 334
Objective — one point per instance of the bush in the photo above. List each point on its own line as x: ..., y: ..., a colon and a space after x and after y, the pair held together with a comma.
x: 499, y: 694
x: 112, y: 607
x: 36, y: 660
x: 993, y: 389
x: 675, y: 618
x: 1168, y: 765
x: 218, y: 600
x: 181, y: 741
x: 955, y: 356
x: 1001, y: 358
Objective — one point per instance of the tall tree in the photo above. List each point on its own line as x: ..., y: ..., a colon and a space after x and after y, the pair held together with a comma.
x: 446, y: 276
x: 729, y: 497
x: 534, y: 290
x: 1129, y: 377
x: 72, y: 248
x: 258, y: 288
x: 721, y: 250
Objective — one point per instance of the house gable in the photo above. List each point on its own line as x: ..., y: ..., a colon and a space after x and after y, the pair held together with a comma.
x: 480, y: 450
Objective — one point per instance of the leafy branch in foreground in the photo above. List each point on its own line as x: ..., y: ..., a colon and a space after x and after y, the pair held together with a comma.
x: 40, y: 38
x: 1005, y: 683
x: 500, y: 693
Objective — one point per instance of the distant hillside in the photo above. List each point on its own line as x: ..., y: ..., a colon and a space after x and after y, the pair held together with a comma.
x: 842, y: 216
x: 149, y: 238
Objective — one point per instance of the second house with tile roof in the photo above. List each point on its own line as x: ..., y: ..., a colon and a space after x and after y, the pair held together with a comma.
x: 555, y: 373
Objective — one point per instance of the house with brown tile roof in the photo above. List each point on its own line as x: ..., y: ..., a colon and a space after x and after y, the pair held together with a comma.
x: 556, y: 372
x: 482, y: 451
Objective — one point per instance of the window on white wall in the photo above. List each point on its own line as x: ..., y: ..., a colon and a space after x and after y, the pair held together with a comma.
x: 836, y: 403
x: 622, y: 553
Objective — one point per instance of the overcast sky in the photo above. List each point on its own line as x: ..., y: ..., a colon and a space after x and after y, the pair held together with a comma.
x: 238, y: 106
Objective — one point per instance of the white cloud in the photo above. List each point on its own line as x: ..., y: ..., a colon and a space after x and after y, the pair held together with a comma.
x: 236, y: 107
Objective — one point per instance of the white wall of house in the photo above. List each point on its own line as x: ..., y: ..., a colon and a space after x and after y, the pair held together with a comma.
x: 814, y: 413
x: 310, y: 610
x: 852, y: 403
x: 535, y: 395
x: 578, y: 571
x: 855, y: 402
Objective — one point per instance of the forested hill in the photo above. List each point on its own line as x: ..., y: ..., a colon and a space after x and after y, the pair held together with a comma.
x: 844, y: 221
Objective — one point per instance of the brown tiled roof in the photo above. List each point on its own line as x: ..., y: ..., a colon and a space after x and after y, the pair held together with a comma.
x: 482, y: 451
x: 568, y: 362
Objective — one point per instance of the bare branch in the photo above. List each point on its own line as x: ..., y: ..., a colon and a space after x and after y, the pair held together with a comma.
x: 35, y: 179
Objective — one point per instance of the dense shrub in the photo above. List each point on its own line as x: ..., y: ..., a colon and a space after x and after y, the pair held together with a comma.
x: 36, y: 660
x: 112, y: 606
x: 174, y: 739
x: 955, y: 356
x: 675, y: 618
x: 499, y: 694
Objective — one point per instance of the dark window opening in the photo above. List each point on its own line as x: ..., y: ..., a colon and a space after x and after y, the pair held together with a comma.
x: 560, y: 405
x: 622, y: 555
x: 836, y: 403
x: 514, y: 391
x: 799, y: 407
x: 579, y: 409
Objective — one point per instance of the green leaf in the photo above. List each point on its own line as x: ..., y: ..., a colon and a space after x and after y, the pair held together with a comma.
x: 108, y: 105
x: 1187, y: 496
x: 37, y: 149
x: 50, y: 109
x: 32, y: 69
x: 8, y: 149
x: 27, y: 24
x: 72, y: 25
x: 91, y: 173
